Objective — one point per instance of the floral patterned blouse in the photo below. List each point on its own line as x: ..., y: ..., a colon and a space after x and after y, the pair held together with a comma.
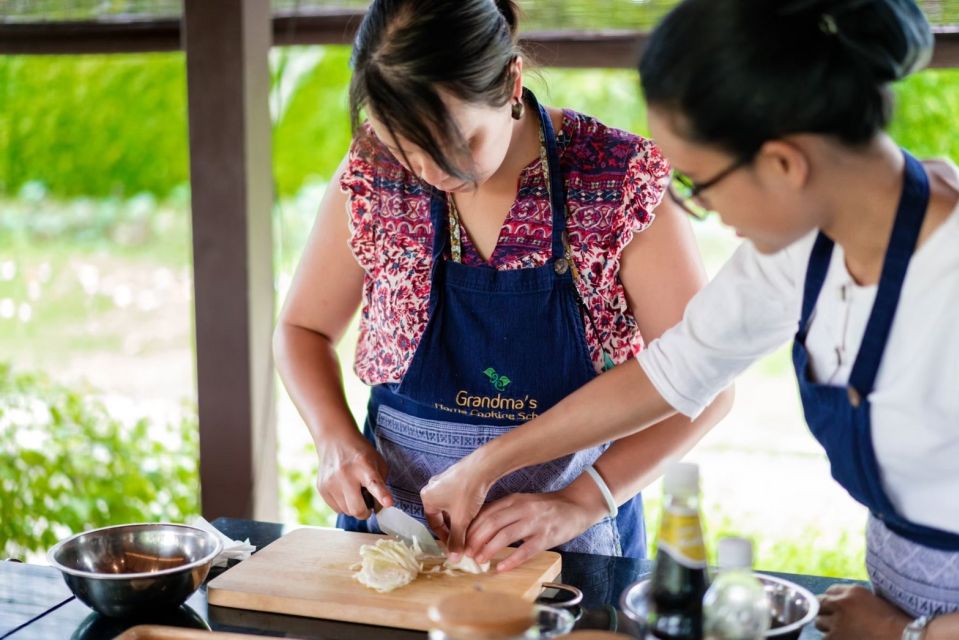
x: 613, y: 181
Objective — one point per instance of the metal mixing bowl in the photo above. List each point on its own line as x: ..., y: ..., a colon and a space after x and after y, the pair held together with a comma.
x: 791, y: 606
x: 135, y: 569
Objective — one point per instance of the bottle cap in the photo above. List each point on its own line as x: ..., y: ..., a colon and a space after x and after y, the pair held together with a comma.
x: 681, y: 477
x: 735, y: 553
x: 482, y: 615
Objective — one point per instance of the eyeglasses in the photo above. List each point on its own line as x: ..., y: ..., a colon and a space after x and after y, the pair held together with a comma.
x: 685, y: 192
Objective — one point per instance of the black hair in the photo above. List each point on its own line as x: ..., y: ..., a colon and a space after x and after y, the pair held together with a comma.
x: 741, y: 72
x: 406, y: 51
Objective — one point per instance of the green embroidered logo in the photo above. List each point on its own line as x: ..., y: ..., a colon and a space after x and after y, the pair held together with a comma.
x: 499, y: 382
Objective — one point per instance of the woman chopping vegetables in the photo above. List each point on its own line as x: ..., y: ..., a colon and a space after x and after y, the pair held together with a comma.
x: 503, y: 254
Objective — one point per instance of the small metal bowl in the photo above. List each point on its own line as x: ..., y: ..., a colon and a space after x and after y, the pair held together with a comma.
x: 135, y: 569
x: 791, y: 606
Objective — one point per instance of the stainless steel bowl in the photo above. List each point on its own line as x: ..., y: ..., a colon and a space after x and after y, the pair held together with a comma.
x: 135, y: 569
x: 791, y: 606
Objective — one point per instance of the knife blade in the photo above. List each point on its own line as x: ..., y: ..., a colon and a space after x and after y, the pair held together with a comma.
x: 395, y: 522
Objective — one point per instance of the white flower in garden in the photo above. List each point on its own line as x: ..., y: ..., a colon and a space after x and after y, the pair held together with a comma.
x: 8, y: 308
x: 163, y: 278
x: 8, y: 270
x: 147, y: 300
x: 122, y: 296
x: 89, y: 277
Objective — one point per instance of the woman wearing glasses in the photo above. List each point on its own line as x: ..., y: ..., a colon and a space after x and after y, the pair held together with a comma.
x: 503, y: 254
x: 774, y: 111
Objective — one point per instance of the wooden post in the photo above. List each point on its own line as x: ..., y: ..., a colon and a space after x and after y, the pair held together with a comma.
x: 227, y: 45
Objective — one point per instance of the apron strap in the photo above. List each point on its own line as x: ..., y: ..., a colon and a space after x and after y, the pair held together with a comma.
x: 438, y: 209
x: 902, y: 244
x: 554, y: 176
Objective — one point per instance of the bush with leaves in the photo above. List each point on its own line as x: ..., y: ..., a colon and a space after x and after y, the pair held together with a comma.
x: 135, y: 138
x: 67, y: 465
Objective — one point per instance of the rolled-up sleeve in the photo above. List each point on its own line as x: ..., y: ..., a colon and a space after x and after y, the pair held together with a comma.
x: 749, y: 309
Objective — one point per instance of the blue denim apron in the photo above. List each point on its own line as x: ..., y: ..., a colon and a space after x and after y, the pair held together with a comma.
x: 839, y: 417
x: 499, y: 348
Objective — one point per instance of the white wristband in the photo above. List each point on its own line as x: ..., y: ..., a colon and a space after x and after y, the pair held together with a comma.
x: 603, y: 489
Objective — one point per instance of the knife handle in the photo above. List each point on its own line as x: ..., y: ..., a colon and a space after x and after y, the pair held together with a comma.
x: 371, y: 502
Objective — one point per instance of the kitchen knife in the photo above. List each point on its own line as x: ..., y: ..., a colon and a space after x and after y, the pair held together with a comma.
x: 395, y: 522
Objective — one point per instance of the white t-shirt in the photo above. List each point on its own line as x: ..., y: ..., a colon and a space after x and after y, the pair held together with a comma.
x: 752, y: 307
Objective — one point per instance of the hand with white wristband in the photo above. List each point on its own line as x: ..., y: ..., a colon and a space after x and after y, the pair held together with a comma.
x: 603, y: 489
x: 540, y: 520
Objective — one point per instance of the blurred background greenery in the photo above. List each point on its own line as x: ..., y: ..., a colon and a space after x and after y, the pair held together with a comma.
x: 115, y: 126
x: 97, y: 417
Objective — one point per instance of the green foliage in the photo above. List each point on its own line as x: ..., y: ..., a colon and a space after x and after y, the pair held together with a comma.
x: 139, y: 225
x: 313, y: 135
x: 611, y: 95
x: 300, y: 498
x: 836, y: 554
x: 75, y: 270
x: 925, y: 120
x: 67, y: 465
x: 93, y: 125
x: 116, y: 125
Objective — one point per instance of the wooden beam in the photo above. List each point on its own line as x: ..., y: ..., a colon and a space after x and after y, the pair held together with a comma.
x: 585, y: 49
x: 331, y: 26
x: 227, y: 45
x: 573, y: 49
x: 946, y: 53
x: 93, y: 36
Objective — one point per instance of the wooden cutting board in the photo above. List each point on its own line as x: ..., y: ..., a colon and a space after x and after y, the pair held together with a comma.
x: 307, y: 573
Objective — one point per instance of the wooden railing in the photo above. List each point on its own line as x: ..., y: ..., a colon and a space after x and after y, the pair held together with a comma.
x: 607, y: 48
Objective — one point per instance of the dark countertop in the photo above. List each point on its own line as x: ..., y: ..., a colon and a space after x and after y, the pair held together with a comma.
x: 36, y: 605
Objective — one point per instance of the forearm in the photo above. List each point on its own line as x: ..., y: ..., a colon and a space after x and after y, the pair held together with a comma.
x: 310, y: 370
x: 633, y: 463
x: 618, y: 403
x: 943, y: 628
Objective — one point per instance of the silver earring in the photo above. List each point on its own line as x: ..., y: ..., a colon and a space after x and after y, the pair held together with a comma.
x: 518, y: 109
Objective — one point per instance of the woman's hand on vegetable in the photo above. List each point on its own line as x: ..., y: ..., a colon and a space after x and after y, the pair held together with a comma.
x: 539, y: 520
x: 452, y: 499
x: 346, y: 467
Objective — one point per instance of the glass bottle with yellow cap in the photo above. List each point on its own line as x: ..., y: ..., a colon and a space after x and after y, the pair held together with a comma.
x: 679, y: 579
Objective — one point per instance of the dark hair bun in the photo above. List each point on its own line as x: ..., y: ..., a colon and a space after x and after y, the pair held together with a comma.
x: 510, y: 11
x: 742, y: 72
x: 889, y: 38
